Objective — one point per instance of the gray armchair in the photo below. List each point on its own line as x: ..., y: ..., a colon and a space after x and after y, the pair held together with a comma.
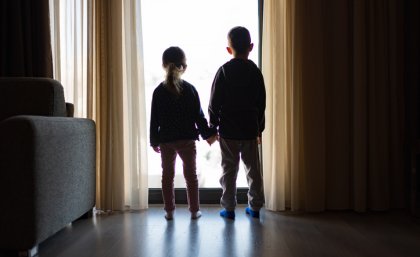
x: 47, y: 163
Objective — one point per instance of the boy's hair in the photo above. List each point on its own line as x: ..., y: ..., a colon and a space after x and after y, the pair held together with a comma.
x: 239, y: 39
x: 173, y: 60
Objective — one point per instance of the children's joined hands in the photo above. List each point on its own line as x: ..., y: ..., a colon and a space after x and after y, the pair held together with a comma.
x: 212, y: 139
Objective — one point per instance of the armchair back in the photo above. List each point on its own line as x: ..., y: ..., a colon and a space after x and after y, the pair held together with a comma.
x: 31, y: 96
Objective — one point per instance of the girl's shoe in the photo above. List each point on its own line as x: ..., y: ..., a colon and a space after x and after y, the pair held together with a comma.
x: 169, y: 215
x: 195, y: 215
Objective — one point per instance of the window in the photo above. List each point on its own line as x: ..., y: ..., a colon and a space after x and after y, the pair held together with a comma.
x: 200, y: 28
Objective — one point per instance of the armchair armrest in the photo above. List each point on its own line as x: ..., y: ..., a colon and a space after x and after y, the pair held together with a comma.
x: 70, y: 109
x: 47, y: 172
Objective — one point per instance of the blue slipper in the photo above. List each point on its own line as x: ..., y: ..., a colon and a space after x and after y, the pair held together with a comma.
x: 254, y: 214
x: 227, y: 214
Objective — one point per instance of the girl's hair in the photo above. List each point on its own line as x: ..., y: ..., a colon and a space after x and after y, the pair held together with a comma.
x: 174, y: 62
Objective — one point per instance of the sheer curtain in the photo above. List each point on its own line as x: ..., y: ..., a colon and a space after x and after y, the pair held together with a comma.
x: 333, y: 71
x: 99, y: 60
x: 282, y: 140
x: 68, y: 21
x: 135, y: 134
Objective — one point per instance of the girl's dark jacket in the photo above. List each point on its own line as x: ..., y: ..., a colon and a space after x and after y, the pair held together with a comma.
x: 176, y: 117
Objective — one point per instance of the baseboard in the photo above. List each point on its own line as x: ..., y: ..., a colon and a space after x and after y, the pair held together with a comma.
x: 207, y: 195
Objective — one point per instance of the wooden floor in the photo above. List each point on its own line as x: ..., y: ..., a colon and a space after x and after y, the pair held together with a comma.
x: 147, y: 233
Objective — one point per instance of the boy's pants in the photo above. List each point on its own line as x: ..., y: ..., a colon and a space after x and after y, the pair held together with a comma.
x: 232, y: 152
x: 187, y: 152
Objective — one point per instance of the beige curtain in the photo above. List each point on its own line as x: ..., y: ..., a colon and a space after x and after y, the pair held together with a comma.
x: 98, y: 57
x: 282, y: 136
x: 334, y: 85
x: 118, y: 105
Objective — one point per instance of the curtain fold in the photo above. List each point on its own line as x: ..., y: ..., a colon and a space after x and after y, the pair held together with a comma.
x: 99, y: 59
x: 334, y: 120
x: 108, y: 108
x: 25, y: 41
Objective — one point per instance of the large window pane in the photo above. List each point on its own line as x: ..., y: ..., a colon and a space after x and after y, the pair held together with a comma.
x: 200, y: 29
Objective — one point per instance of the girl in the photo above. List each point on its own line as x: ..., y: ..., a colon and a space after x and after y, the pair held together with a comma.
x: 175, y: 116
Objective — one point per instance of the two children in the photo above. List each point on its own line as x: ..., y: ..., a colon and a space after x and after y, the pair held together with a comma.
x: 236, y: 112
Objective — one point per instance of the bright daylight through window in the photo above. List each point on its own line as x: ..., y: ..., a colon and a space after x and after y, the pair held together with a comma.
x: 200, y: 28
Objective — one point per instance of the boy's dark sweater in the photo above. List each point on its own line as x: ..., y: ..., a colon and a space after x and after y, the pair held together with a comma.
x: 177, y: 117
x: 237, y: 101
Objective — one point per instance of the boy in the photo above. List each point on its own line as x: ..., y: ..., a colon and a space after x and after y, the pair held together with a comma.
x: 236, y: 109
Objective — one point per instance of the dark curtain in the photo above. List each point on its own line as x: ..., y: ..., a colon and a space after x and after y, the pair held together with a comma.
x: 25, y: 40
x: 352, y: 103
x: 412, y: 103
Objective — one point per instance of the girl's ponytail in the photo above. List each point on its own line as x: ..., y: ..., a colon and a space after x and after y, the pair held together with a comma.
x: 173, y: 60
x: 173, y: 78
